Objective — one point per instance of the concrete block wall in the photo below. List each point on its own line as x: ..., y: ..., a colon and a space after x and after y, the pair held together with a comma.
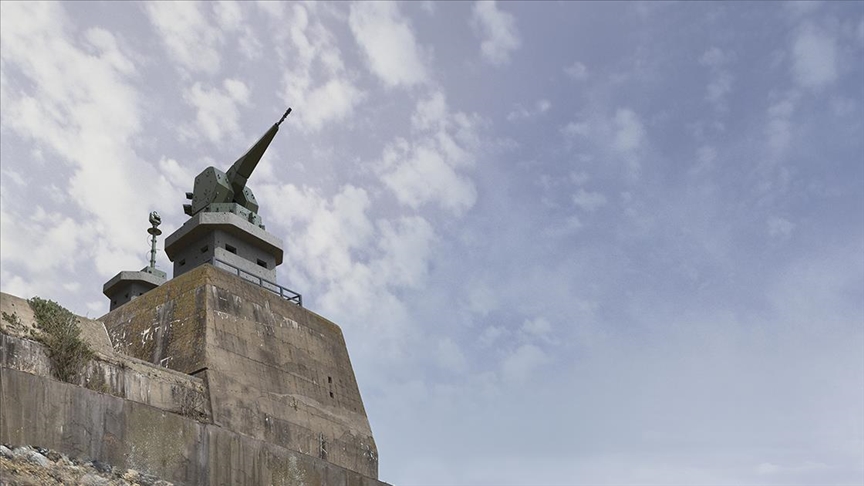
x: 134, y: 414
x: 274, y: 371
x: 83, y: 423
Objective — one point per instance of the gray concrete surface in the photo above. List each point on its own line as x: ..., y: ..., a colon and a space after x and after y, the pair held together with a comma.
x: 275, y: 371
x: 134, y: 414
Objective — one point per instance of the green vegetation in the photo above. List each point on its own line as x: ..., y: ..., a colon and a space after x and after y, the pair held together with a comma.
x: 62, y: 336
x: 12, y: 319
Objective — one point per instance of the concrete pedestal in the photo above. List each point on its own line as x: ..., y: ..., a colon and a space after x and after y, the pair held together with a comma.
x: 274, y: 370
x: 227, y: 237
x: 127, y: 286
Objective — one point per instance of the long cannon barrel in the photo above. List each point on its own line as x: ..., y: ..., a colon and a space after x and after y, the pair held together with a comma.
x: 239, y: 173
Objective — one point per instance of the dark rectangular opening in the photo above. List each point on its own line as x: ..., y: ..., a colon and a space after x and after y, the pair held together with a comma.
x: 329, y: 379
x: 205, y: 248
x: 182, y: 262
x: 262, y: 263
x: 331, y: 394
x: 230, y: 249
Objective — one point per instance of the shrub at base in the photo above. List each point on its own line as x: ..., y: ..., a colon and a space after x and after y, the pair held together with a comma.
x: 62, y: 336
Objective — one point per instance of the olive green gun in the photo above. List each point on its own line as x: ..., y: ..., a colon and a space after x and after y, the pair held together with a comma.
x: 217, y: 191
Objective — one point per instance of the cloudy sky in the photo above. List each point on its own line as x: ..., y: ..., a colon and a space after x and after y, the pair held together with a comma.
x: 593, y: 243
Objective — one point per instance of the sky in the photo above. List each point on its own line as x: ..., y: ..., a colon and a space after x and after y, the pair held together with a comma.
x: 567, y: 242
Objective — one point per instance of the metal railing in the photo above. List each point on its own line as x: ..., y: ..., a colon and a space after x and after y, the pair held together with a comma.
x: 277, y: 289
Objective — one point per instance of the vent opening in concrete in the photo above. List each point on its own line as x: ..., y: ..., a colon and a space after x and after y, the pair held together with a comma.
x: 262, y: 263
x: 329, y: 379
x: 182, y: 262
x: 205, y: 248
x: 231, y: 249
x: 127, y: 296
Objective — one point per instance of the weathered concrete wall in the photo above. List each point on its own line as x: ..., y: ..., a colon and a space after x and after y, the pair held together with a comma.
x: 125, y: 378
x: 166, y: 326
x: 207, y: 379
x: 275, y: 371
x: 84, y: 423
x: 109, y: 372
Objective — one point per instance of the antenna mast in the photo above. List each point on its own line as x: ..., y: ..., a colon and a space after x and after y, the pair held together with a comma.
x: 155, y: 220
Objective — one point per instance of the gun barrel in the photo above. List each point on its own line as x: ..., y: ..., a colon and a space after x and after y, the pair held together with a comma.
x: 239, y: 173
x: 244, y: 166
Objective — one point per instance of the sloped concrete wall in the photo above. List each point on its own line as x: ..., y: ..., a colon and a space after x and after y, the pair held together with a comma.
x: 275, y: 371
x: 109, y: 372
x: 81, y: 422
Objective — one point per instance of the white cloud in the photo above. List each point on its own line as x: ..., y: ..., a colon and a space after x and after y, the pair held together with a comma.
x: 426, y: 169
x: 620, y: 137
x: 779, y: 127
x: 450, y: 357
x: 715, y: 58
x: 572, y: 224
x: 228, y: 14
x: 106, y: 43
x: 481, y: 298
x: 405, y: 246
x: 522, y: 113
x: 521, y: 364
x: 629, y: 138
x: 721, y: 84
x: 317, y: 79
x: 589, y: 201
x: 572, y: 129
x: 174, y: 172
x: 187, y: 35
x: 780, y: 227
x: 422, y: 174
x: 388, y: 43
x: 273, y: 9
x: 814, y: 58
x: 579, y: 177
x: 428, y: 6
x: 802, y: 8
x: 82, y: 107
x: 629, y: 133
x: 718, y: 88
x: 577, y: 71
x: 537, y: 327
x: 767, y: 468
x: 334, y: 101
x: 40, y: 243
x: 217, y: 113
x: 231, y: 19
x: 498, y: 29
x: 491, y: 335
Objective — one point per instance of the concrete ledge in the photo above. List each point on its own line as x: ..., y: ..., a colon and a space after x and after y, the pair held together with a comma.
x: 126, y: 378
x: 128, y: 276
x: 83, y: 423
x: 203, y: 223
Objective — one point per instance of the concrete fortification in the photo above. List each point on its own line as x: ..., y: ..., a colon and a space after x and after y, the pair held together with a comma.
x: 219, y: 376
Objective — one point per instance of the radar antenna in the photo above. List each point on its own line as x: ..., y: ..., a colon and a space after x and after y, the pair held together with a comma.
x: 154, y: 231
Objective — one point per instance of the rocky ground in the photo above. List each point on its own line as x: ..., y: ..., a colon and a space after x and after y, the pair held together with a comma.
x: 35, y: 466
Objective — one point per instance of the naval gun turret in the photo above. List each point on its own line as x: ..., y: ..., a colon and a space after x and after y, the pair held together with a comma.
x: 226, y: 192
x: 224, y: 228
